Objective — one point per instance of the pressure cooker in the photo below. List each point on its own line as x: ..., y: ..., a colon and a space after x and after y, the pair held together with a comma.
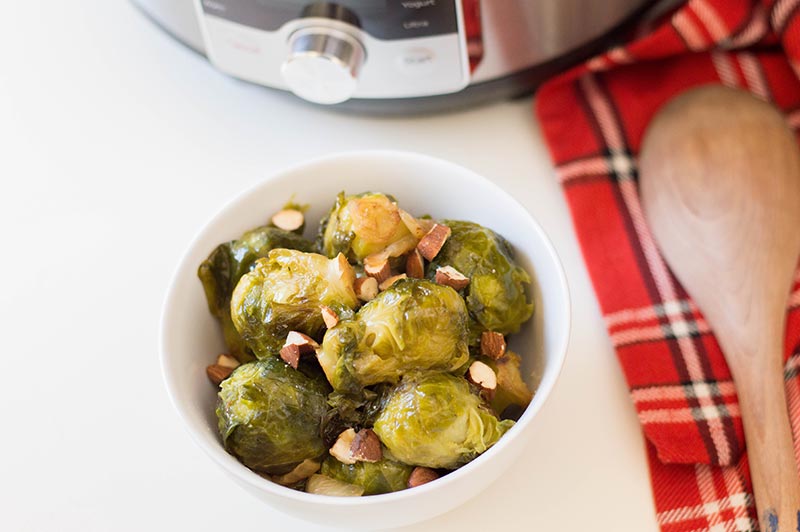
x: 397, y: 55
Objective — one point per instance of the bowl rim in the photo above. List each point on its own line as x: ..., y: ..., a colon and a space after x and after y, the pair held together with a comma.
x: 230, y: 464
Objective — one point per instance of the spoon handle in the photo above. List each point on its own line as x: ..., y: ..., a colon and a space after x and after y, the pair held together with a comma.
x: 768, y: 434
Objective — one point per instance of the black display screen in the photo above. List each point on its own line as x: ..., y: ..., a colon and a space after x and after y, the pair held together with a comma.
x: 383, y: 19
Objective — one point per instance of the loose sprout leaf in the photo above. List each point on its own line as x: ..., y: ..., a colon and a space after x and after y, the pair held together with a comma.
x: 495, y: 296
x: 415, y: 325
x: 434, y: 420
x: 384, y: 476
x: 284, y: 292
x: 325, y: 485
x: 269, y: 415
x: 361, y: 225
x: 223, y: 268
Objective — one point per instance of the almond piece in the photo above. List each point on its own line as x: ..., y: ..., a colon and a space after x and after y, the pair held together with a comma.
x: 391, y: 280
x: 296, y: 345
x: 339, y: 267
x: 366, y: 446
x: 482, y: 375
x: 493, y: 344
x: 227, y: 361
x: 341, y: 449
x: 420, y: 476
x: 330, y: 317
x: 377, y: 268
x: 291, y: 354
x: 415, y: 265
x: 217, y: 373
x: 366, y: 288
x: 432, y: 242
x: 288, y: 219
x: 449, y: 276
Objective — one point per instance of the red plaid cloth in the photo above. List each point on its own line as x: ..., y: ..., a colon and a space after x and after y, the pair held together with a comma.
x: 593, y: 118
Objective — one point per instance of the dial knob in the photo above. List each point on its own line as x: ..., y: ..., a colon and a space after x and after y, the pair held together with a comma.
x: 323, y: 64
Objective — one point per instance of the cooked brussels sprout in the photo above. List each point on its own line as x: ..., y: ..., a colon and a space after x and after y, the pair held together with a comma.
x: 384, y: 476
x: 511, y: 388
x: 434, y: 420
x: 414, y: 325
x: 361, y: 225
x: 284, y: 292
x: 496, y: 293
x: 269, y: 415
x: 223, y: 268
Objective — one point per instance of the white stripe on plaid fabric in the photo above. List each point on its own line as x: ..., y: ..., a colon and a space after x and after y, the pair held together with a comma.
x: 613, y: 137
x: 710, y: 19
x: 780, y: 14
x: 593, y: 166
x: 755, y: 30
x: 649, y: 313
x: 688, y: 415
x: 753, y: 75
x: 678, y: 329
x: 687, y: 30
x: 677, y: 392
x: 725, y: 69
x: 613, y: 57
x: 689, y: 513
x: 735, y: 484
x: 708, y: 494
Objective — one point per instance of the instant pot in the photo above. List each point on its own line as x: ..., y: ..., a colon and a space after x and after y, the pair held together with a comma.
x: 397, y: 55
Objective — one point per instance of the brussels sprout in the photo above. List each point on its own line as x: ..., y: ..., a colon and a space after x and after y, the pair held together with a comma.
x: 284, y: 292
x: 361, y: 225
x: 223, y: 268
x: 414, y: 325
x: 384, y: 476
x: 496, y: 294
x: 511, y: 388
x: 269, y: 415
x: 434, y: 420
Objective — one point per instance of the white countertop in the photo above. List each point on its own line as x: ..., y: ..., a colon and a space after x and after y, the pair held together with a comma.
x: 116, y: 145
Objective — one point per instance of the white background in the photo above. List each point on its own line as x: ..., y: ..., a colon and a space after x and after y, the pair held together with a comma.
x: 116, y: 145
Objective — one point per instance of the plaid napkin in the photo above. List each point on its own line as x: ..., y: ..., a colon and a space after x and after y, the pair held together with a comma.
x: 593, y: 118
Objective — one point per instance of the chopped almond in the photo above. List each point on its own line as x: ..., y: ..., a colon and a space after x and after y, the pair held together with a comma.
x: 341, y: 449
x: 432, y: 243
x: 449, y: 276
x: 303, y: 341
x: 366, y: 288
x: 377, y: 268
x: 227, y: 361
x: 288, y: 219
x: 484, y: 376
x: 291, y: 354
x: 296, y: 345
x: 493, y: 344
x: 330, y: 317
x: 342, y: 269
x: 415, y: 265
x: 366, y: 447
x: 391, y: 280
x: 420, y: 476
x: 217, y: 373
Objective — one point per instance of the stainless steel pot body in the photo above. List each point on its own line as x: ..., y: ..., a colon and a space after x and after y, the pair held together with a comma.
x: 394, y: 54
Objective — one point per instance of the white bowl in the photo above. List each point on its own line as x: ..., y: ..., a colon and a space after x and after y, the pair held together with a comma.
x: 190, y: 337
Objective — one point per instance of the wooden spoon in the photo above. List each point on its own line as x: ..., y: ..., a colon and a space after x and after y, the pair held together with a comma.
x: 720, y: 186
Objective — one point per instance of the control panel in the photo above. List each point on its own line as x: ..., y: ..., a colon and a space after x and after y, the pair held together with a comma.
x: 327, y: 52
